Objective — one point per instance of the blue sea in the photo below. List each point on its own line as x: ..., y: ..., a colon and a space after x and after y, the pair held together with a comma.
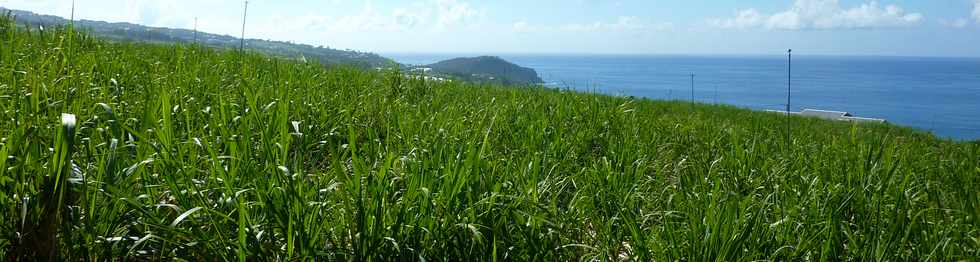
x: 940, y: 95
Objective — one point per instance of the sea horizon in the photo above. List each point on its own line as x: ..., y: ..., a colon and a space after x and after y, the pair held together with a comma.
x: 796, y: 53
x: 933, y: 94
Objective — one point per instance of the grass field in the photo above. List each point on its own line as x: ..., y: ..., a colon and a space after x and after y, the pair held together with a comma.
x: 185, y: 152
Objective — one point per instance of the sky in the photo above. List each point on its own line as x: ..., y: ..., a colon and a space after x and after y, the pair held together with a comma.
x: 749, y: 27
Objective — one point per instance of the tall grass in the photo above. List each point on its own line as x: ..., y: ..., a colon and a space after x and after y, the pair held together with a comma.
x: 180, y: 152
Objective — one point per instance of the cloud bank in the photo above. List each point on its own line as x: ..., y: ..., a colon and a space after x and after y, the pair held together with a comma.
x: 823, y: 14
x: 435, y: 15
x: 622, y: 24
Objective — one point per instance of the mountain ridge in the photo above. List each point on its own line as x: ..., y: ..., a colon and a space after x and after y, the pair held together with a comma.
x: 481, y: 69
x: 125, y: 31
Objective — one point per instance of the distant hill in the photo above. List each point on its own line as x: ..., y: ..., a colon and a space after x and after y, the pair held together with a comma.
x: 486, y: 69
x: 139, y: 33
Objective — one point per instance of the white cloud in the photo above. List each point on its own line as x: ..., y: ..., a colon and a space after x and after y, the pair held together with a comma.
x: 314, y: 27
x: 621, y: 24
x: 976, y: 10
x: 451, y: 13
x: 523, y: 27
x: 435, y: 15
x: 745, y: 19
x: 407, y: 18
x: 157, y: 13
x: 955, y: 23
x: 161, y: 13
x: 823, y: 14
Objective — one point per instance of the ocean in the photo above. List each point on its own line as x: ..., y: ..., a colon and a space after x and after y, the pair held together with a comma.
x: 939, y: 95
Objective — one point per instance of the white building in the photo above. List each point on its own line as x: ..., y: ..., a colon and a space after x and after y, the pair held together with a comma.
x: 832, y: 115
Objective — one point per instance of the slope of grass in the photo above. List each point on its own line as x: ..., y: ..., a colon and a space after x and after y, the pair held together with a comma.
x: 185, y: 152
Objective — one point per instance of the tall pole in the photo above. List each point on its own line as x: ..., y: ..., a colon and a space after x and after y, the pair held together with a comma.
x: 789, y: 91
x: 71, y: 25
x: 195, y: 29
x: 71, y: 50
x: 692, y: 89
x: 789, y: 80
x: 244, y: 15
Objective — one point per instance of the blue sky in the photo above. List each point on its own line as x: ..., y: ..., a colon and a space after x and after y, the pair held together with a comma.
x: 826, y: 27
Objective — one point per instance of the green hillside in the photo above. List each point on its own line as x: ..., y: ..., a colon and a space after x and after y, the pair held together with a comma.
x: 128, y: 32
x: 486, y: 69
x: 187, y: 152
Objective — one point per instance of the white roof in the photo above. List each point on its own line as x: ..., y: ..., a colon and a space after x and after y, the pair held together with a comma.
x: 864, y: 119
x: 825, y: 113
x: 831, y: 115
x: 782, y: 112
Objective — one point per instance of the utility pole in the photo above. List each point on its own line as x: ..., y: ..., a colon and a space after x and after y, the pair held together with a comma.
x: 789, y: 92
x: 195, y: 30
x: 789, y: 80
x: 716, y: 94
x: 692, y: 91
x: 71, y: 50
x: 71, y: 27
x: 244, y: 15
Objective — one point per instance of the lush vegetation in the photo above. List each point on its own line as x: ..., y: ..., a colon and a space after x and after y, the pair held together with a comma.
x: 128, y: 32
x: 187, y: 152
x: 486, y: 70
